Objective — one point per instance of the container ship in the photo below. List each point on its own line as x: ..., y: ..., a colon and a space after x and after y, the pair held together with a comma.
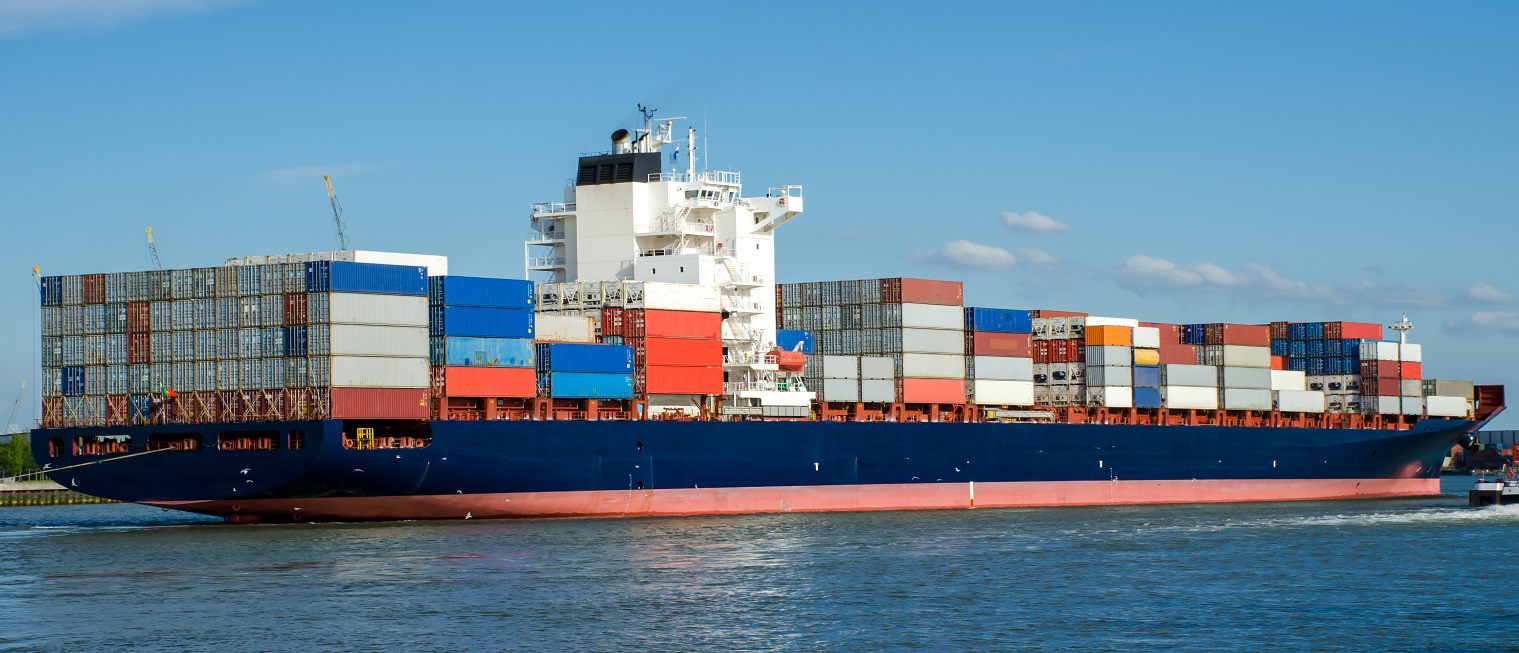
x: 648, y: 364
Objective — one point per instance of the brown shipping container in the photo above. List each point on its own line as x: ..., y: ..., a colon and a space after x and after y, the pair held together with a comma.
x: 1178, y: 354
x: 1381, y: 370
x: 379, y: 403
x: 986, y: 343
x: 139, y: 348
x: 1352, y: 331
x: 489, y: 382
x: 1042, y: 350
x: 613, y: 321
x: 1049, y: 313
x: 1238, y: 334
x: 922, y: 291
x: 684, y: 352
x: 933, y: 391
x: 1385, y: 387
x: 295, y: 309
x: 93, y: 286
x: 672, y: 380
x: 1279, y: 330
x: 139, y: 317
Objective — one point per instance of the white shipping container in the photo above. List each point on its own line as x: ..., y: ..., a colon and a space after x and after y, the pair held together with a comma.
x: 1110, y: 375
x: 437, y: 266
x: 1094, y: 320
x: 877, y: 368
x: 1002, y: 393
x: 1195, y: 376
x: 1040, y: 328
x: 841, y: 390
x: 1245, y: 398
x: 1300, y: 401
x: 1382, y: 405
x: 671, y: 297
x: 1411, y: 353
x: 385, y: 310
x: 1289, y: 380
x: 1411, y: 387
x: 883, y: 391
x: 1413, y: 406
x: 370, y: 340
x: 1110, y: 396
x: 1236, y: 356
x: 1379, y: 350
x: 841, y: 367
x: 933, y: 316
x: 564, y: 328
x: 1109, y: 355
x: 1253, y: 378
x: 933, y: 366
x: 377, y: 372
x: 1146, y: 338
x: 933, y: 341
x: 1447, y: 406
x: 1004, y: 368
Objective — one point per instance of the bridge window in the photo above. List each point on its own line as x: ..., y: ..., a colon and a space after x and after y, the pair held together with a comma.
x: 296, y: 440
x: 102, y: 445
x: 174, y: 441
x: 55, y: 448
x: 248, y: 441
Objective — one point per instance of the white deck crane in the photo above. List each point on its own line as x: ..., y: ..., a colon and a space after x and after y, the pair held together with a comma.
x: 337, y: 215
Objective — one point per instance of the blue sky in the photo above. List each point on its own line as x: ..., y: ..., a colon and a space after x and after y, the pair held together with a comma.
x: 1184, y: 162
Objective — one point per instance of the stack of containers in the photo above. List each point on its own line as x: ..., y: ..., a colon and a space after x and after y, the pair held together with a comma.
x: 584, y: 371
x: 1109, y: 362
x: 1448, y: 398
x: 1391, y: 378
x: 675, y: 331
x: 1059, y: 353
x: 999, y: 363
x: 482, y: 335
x: 1290, y: 393
x: 1147, y: 367
x: 1188, y: 386
x: 840, y: 378
x: 1242, y: 353
x: 1329, y: 353
x: 878, y: 383
x: 918, y: 323
x: 366, y: 339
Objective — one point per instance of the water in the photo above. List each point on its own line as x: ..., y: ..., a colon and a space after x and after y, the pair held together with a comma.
x: 1401, y: 574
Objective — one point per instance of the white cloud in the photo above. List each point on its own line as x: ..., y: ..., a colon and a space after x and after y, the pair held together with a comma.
x: 1483, y: 292
x: 966, y: 254
x: 1036, y: 256
x: 1144, y: 274
x: 28, y: 16
x: 308, y: 174
x: 1031, y: 221
x: 1488, y: 321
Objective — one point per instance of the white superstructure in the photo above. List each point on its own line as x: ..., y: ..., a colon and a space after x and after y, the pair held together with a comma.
x: 645, y: 212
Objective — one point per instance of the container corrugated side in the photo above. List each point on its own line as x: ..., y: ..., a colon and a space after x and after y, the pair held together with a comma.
x: 1245, y: 398
x: 371, y: 340
x: 662, y: 379
x: 990, y: 392
x: 377, y: 372
x: 933, y: 391
x: 1002, y: 368
x: 383, y: 310
x: 690, y: 352
x: 878, y: 390
x: 481, y: 322
x: 585, y: 358
x: 480, y: 291
x: 1244, y: 377
x: 1109, y: 355
x: 933, y: 341
x: 997, y: 320
x: 841, y: 367
x: 933, y: 366
x: 672, y: 297
x: 378, y: 403
x: 1447, y: 406
x: 1288, y: 380
x: 932, y: 316
x: 1146, y: 337
x: 367, y: 278
x: 877, y: 368
x: 1111, y: 396
x: 490, y: 382
x: 482, y: 352
x: 590, y: 385
x: 841, y: 390
x: 1110, y: 375
x: 564, y: 328
x: 1189, y: 398
x: 1300, y: 401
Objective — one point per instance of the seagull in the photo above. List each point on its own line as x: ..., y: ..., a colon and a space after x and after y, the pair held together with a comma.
x: 469, y: 515
x: 246, y: 470
x: 358, y: 470
x: 914, y: 478
x: 48, y: 466
x: 398, y: 455
x: 72, y: 483
x: 445, y: 457
x: 458, y: 491
x: 248, y: 481
x: 957, y: 469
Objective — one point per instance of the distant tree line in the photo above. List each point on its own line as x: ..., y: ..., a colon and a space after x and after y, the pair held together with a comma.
x: 16, y: 456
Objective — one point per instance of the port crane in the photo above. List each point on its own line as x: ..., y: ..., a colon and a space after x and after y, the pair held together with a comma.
x: 337, y: 215
x: 158, y: 263
x: 15, y: 405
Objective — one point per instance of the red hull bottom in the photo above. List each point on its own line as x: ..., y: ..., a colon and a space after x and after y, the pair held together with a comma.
x: 699, y: 501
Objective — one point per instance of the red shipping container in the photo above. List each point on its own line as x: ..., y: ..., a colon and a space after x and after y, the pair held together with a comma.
x: 1279, y: 330
x: 379, y: 403
x: 1018, y: 345
x: 1178, y: 354
x: 613, y: 321
x: 1279, y: 363
x: 1238, y: 334
x: 1046, y: 313
x: 641, y: 323
x: 933, y: 391
x: 1169, y: 333
x: 1380, y: 370
x: 1352, y: 331
x: 1384, y: 387
x: 671, y: 380
x: 1042, y: 351
x: 684, y: 352
x: 139, y: 348
x: 139, y: 317
x: 1412, y: 370
x: 295, y: 309
x: 489, y: 382
x: 93, y: 286
x: 1078, y: 351
x: 922, y: 291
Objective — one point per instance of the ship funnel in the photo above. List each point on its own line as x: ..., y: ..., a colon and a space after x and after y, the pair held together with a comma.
x: 622, y: 141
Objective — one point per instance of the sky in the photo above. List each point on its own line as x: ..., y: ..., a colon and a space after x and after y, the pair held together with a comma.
x: 1168, y: 161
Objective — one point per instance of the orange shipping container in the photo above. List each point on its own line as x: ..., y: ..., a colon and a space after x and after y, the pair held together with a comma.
x: 1017, y: 345
x: 379, y: 403
x: 672, y: 380
x: 489, y: 382
x: 1413, y: 370
x: 684, y: 352
x: 1279, y: 363
x: 1115, y: 336
x: 933, y: 391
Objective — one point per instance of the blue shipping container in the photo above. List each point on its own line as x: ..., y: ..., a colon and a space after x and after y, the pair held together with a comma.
x: 1146, y: 397
x: 1146, y: 376
x: 480, y: 322
x: 294, y: 345
x: 140, y: 406
x: 579, y: 357
x: 457, y: 351
x: 1279, y: 347
x: 1297, y: 364
x: 73, y: 381
x: 479, y: 291
x: 52, y: 291
x: 367, y: 278
x: 581, y: 385
x: 789, y: 339
x: 998, y: 320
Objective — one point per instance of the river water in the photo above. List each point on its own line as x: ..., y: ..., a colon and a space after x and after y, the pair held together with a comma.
x: 1397, y: 574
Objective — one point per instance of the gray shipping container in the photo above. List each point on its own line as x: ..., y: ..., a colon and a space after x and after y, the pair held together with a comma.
x: 139, y: 379
x: 94, y: 350
x: 117, y: 380
x: 116, y: 351
x: 250, y: 344
x: 52, y: 320
x: 881, y: 391
x: 878, y: 368
x: 52, y: 382
x: 227, y: 375
x: 73, y: 320
x: 183, y: 346
x: 1251, y: 378
x: 841, y: 367
x: 73, y: 350
x: 248, y: 312
x: 1197, y: 376
x: 161, y: 347
x: 115, y: 318
x: 226, y: 284
x: 94, y: 319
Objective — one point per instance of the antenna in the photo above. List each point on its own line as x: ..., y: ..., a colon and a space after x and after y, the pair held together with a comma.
x: 337, y: 215
x: 158, y: 264
x: 1402, y: 326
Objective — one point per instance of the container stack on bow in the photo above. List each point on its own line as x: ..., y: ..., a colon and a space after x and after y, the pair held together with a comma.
x: 482, y: 334
x: 999, y: 362
x: 1059, y: 353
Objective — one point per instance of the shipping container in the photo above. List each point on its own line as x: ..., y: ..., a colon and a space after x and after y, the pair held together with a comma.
x: 878, y: 368
x: 1197, y: 376
x: 1244, y: 377
x: 1000, y: 368
x: 1412, y: 405
x: 564, y: 328
x: 678, y: 297
x: 1142, y: 357
x: 688, y: 352
x: 1108, y: 355
x: 1447, y: 406
x: 1235, y: 356
x: 841, y: 367
x: 1110, y: 335
x: 1300, y: 401
x: 369, y: 340
x: 932, y: 341
x: 921, y: 291
x: 1110, y: 396
x: 933, y: 391
x: 490, y: 381
x: 1448, y: 388
x: 997, y: 320
x: 661, y: 379
x: 1245, y: 398
x: 927, y: 316
x: 1147, y: 376
x: 1411, y: 353
x: 845, y: 390
x: 986, y: 343
x: 378, y: 403
x: 1350, y: 331
x: 590, y: 358
x: 1146, y: 337
x: 795, y: 340
x: 661, y: 324
x: 1288, y: 381
x: 481, y: 322
x: 1374, y: 350
x: 586, y: 385
x: 482, y: 352
x: 366, y: 278
x: 1110, y: 375
x: 934, y: 366
x: 993, y: 392
x: 480, y: 292
x: 376, y: 372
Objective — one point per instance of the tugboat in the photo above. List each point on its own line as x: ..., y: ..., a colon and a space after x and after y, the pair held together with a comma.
x: 1501, y: 490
